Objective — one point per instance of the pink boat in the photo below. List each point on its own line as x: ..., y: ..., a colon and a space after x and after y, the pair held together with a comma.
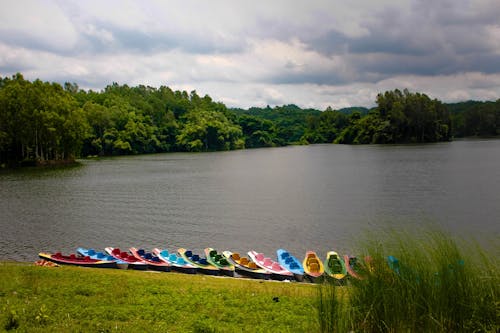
x: 277, y: 271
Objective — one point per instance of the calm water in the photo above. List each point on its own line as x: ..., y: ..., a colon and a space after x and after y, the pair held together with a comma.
x: 318, y: 197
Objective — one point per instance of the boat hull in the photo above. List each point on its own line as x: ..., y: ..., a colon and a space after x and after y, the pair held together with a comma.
x: 153, y: 262
x: 174, y: 261
x: 101, y: 256
x: 198, y: 262
x: 76, y: 261
x: 313, y: 267
x: 219, y: 261
x: 335, y: 267
x: 291, y: 263
x: 133, y: 262
x: 257, y: 273
x: 277, y: 271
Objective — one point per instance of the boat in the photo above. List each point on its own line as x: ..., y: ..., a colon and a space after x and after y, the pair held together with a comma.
x: 219, y: 261
x: 154, y: 263
x: 76, y: 260
x: 393, y: 263
x: 133, y: 262
x: 313, y: 267
x: 201, y: 264
x: 335, y: 266
x: 177, y: 263
x: 277, y: 271
x: 353, y: 266
x: 93, y: 254
x: 291, y: 263
x: 246, y: 267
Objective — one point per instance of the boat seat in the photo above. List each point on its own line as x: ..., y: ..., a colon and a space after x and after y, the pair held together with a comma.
x: 314, y: 267
x: 277, y: 267
x: 86, y: 258
x: 116, y: 251
x: 311, y: 255
x: 203, y: 261
x: 58, y: 255
x: 91, y: 252
x: 218, y: 257
x: 141, y: 252
x: 267, y: 262
x: 195, y: 257
x: 236, y: 256
x: 181, y: 261
x: 223, y: 262
x: 243, y: 261
x: 313, y: 261
x: 148, y: 256
x: 173, y: 257
x: 252, y: 265
x: 212, y: 253
x: 294, y: 266
x: 188, y: 253
x: 72, y: 256
x: 259, y: 256
x: 289, y: 260
x: 285, y: 255
x: 124, y: 254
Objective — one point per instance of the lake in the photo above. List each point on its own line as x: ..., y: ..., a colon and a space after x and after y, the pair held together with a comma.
x: 318, y: 197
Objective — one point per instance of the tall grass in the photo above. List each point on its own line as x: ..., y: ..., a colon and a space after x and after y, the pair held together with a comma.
x: 442, y: 285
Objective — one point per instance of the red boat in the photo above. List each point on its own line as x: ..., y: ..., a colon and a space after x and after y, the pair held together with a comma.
x: 133, y: 262
x: 154, y: 263
x: 75, y: 260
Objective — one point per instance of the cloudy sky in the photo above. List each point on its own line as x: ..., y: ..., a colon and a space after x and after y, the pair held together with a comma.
x: 313, y: 53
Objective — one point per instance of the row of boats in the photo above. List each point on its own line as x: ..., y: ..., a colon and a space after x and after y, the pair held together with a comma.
x: 255, y: 265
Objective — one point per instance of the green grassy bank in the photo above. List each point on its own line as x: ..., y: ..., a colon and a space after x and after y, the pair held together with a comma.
x: 439, y: 284
x: 73, y: 299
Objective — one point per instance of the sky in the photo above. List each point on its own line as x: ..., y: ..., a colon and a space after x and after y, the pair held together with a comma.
x: 312, y: 53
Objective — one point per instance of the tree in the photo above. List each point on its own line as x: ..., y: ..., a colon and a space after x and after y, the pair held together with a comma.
x: 206, y: 130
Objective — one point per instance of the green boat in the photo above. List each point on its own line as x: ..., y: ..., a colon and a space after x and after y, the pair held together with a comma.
x: 219, y: 261
x: 335, y: 266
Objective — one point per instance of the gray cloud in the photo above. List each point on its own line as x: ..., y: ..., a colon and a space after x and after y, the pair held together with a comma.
x: 320, y: 53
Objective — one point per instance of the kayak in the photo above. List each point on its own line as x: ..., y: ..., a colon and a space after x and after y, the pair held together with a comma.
x: 335, y: 266
x: 246, y: 267
x: 313, y: 267
x: 177, y: 263
x: 201, y: 264
x: 219, y: 261
x: 154, y: 263
x: 75, y: 260
x: 291, y: 263
x: 277, y: 271
x: 101, y: 256
x: 133, y: 262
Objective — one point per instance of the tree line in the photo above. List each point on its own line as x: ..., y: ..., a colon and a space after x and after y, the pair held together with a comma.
x: 43, y: 121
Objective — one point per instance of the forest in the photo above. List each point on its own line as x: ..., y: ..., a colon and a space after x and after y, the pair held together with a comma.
x: 46, y: 121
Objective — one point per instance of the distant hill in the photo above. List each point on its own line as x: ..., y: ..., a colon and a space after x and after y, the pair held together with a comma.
x: 352, y: 109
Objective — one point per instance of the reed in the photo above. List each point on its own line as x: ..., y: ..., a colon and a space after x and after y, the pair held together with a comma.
x: 441, y: 285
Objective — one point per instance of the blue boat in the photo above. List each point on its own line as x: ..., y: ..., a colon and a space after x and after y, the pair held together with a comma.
x: 177, y: 263
x: 93, y: 254
x: 291, y: 263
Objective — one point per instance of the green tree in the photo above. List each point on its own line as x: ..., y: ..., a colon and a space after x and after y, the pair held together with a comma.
x: 206, y: 130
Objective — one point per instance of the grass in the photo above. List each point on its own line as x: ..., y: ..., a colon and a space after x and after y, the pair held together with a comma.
x: 73, y: 299
x: 443, y: 285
